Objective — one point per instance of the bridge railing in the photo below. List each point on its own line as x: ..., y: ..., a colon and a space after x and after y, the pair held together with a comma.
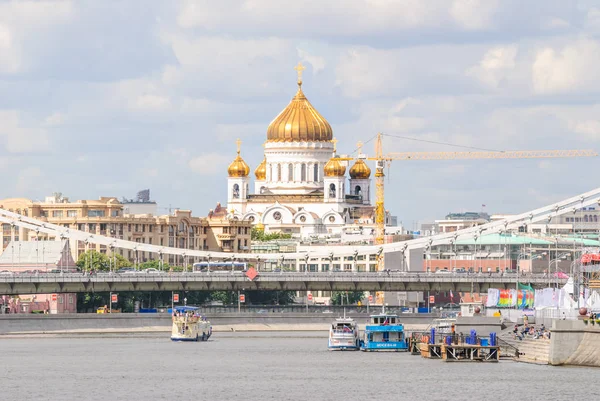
x: 287, y: 276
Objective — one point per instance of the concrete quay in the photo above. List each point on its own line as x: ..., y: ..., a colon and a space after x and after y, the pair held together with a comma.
x: 152, y: 323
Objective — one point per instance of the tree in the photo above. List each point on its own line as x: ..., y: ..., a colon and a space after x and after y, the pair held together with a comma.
x: 261, y: 236
x: 270, y: 297
x: 94, y: 260
x: 346, y: 297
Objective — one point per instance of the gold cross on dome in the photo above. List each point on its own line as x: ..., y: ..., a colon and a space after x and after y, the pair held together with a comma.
x: 299, y: 68
x: 239, y: 145
x: 334, y: 141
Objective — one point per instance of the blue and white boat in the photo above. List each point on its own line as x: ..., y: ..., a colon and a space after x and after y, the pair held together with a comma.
x: 343, y: 335
x: 188, y: 325
x: 384, y: 333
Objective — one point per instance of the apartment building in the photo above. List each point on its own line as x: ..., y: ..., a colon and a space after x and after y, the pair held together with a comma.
x: 106, y: 216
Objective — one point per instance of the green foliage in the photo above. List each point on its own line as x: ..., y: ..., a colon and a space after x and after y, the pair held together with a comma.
x: 346, y: 297
x: 261, y: 236
x: 270, y: 297
x: 94, y: 260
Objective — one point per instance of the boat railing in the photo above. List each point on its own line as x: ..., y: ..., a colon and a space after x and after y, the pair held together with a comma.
x: 343, y: 332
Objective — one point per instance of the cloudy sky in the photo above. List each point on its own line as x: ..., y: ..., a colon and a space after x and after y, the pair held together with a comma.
x: 105, y: 98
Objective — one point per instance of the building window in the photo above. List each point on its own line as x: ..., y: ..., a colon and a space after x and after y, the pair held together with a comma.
x: 143, y: 228
x: 279, y: 172
x: 103, y: 227
x: 236, y: 191
x: 358, y: 191
x: 92, y: 227
x: 303, y: 173
x: 71, y: 213
x: 57, y: 213
x: 277, y: 216
x: 290, y: 172
x: 332, y: 191
x: 114, y: 213
x: 95, y: 213
x: 149, y: 228
x: 316, y: 173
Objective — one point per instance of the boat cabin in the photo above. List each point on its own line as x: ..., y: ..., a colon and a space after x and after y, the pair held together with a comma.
x: 343, y: 326
x: 384, y: 320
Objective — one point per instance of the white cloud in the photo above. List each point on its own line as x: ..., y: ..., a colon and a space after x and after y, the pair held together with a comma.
x: 9, y: 55
x: 208, y: 164
x: 19, y: 138
x: 590, y: 129
x: 28, y: 179
x: 54, y: 119
x: 474, y: 14
x: 592, y: 20
x: 551, y: 23
x: 317, y: 63
x: 36, y: 12
x: 495, y: 65
x: 572, y: 68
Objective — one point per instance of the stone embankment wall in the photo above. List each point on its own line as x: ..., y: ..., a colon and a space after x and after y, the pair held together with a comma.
x: 574, y: 343
x: 131, y: 322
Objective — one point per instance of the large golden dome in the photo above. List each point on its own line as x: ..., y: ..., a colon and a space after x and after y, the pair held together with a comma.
x: 334, y: 168
x: 299, y: 121
x: 261, y: 171
x: 238, y: 168
x: 360, y: 170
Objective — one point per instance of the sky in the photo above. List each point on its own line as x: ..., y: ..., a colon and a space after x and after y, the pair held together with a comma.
x: 106, y: 98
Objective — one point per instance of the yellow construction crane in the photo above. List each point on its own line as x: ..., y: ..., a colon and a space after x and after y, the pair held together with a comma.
x: 381, y: 160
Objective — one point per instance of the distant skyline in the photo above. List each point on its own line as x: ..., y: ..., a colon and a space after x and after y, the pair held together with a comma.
x: 103, y: 98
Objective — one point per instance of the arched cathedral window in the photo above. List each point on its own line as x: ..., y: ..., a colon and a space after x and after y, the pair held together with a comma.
x: 332, y: 191
x: 279, y: 172
x: 236, y: 191
x: 358, y: 191
x: 316, y: 172
x: 290, y: 172
x: 303, y: 173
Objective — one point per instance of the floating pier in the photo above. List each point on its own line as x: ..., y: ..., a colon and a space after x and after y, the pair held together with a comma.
x: 454, y: 348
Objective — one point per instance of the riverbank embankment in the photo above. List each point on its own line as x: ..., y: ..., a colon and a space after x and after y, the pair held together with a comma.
x: 153, y: 323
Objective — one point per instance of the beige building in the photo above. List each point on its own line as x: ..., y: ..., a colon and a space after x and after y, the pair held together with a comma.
x: 106, y: 217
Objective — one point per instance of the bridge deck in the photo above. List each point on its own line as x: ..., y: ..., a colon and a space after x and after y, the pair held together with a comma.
x: 326, y: 281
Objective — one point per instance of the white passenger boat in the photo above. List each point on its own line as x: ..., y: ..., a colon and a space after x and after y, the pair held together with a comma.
x: 343, y: 335
x: 188, y: 325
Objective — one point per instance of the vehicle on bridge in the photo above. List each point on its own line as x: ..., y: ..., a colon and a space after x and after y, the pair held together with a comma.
x: 202, y: 267
x: 384, y: 333
x: 188, y: 325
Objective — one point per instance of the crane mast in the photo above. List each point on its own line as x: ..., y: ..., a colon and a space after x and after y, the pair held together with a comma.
x: 379, y: 193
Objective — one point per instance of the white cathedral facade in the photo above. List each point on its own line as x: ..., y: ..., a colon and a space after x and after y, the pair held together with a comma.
x: 300, y: 187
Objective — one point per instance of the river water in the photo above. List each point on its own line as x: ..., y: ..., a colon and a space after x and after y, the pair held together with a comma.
x: 261, y: 366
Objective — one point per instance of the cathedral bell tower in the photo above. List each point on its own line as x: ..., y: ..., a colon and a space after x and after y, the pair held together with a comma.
x: 237, y: 183
x: 335, y: 178
x: 360, y: 179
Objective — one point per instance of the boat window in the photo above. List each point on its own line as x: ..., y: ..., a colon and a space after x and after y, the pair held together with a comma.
x: 386, y: 336
x: 393, y: 320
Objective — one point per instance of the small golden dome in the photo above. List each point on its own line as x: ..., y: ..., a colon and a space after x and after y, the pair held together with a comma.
x: 334, y: 168
x: 238, y: 168
x: 261, y: 171
x: 299, y: 121
x: 260, y: 226
x: 360, y: 170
